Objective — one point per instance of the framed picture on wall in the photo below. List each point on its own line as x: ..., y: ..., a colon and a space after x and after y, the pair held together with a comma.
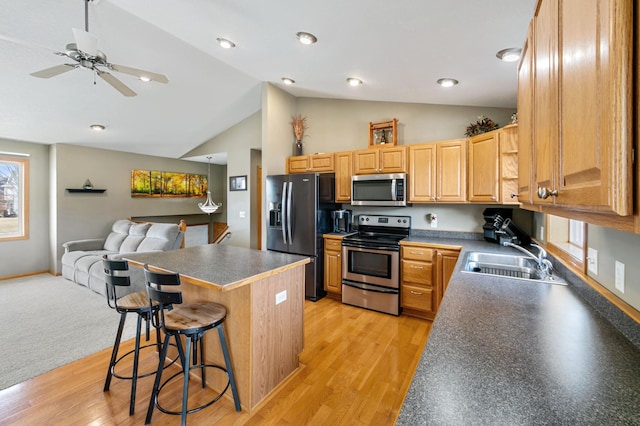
x: 238, y: 183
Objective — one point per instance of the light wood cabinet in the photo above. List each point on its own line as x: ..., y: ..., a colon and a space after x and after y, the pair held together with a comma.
x: 310, y: 163
x: 438, y: 172
x: 583, y: 103
x: 344, y: 170
x: 493, y: 166
x: 508, y: 142
x: 380, y: 160
x: 484, y: 173
x: 525, y: 121
x: 333, y: 265
x: 425, y: 273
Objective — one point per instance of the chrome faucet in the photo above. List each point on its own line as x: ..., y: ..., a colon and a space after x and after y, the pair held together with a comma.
x: 544, y: 264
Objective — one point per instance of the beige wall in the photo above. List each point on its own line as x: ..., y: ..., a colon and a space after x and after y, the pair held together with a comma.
x: 32, y: 254
x: 238, y: 142
x: 79, y: 216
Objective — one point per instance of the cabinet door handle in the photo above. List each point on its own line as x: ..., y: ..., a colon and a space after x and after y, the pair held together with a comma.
x: 493, y: 198
x: 416, y: 252
x: 545, y: 193
x: 416, y: 292
x: 513, y: 195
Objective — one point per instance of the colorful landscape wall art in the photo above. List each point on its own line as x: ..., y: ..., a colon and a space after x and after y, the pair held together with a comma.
x: 151, y: 183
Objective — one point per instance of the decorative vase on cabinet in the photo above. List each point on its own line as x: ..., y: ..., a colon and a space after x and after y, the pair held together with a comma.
x: 298, y: 150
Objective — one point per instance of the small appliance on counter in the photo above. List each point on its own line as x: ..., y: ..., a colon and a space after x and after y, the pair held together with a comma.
x: 499, y: 227
x: 341, y: 221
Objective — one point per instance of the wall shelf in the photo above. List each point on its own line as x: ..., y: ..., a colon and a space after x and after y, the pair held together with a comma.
x: 95, y: 191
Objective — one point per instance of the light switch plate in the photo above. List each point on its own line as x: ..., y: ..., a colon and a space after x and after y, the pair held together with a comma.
x: 620, y: 276
x: 592, y: 260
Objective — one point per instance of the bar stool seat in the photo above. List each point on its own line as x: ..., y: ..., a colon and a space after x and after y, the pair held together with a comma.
x: 191, y: 321
x: 133, y: 303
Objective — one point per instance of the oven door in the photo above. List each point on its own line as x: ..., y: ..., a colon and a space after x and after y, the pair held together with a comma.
x: 371, y: 266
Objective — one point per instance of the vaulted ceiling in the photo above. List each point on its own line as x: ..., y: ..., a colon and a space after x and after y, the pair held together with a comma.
x: 398, y: 48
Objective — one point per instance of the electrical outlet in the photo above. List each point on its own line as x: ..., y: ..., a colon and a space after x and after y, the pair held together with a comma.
x: 592, y: 260
x: 281, y: 297
x: 243, y: 214
x: 541, y: 234
x: 433, y: 219
x: 620, y: 276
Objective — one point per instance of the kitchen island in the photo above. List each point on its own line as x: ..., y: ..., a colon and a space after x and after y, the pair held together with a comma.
x: 511, y: 352
x: 263, y: 292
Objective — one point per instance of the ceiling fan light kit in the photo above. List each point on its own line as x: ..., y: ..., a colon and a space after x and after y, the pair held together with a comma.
x: 85, y: 54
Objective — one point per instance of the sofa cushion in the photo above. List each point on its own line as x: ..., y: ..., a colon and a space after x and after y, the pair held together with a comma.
x: 160, y: 236
x: 137, y: 233
x: 119, y: 232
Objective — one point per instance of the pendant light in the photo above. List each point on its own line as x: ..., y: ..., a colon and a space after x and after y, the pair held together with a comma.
x: 209, y: 206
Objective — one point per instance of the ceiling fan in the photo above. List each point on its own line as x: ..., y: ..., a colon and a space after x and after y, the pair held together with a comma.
x: 85, y: 54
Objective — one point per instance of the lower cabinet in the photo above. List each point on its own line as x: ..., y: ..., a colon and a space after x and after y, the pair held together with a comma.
x: 425, y: 273
x: 333, y: 265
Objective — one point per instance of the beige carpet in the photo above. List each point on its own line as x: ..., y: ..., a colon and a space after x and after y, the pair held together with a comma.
x: 47, y: 322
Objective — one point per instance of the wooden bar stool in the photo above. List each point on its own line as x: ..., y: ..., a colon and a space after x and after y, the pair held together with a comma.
x: 134, y: 303
x: 191, y: 321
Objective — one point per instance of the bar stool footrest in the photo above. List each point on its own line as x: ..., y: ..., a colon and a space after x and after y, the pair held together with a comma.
x: 201, y: 407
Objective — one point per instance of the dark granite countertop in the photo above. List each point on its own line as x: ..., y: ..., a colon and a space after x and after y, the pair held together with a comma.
x: 512, y: 352
x: 220, y: 266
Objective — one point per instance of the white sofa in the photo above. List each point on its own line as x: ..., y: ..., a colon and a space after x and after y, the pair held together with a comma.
x: 82, y: 259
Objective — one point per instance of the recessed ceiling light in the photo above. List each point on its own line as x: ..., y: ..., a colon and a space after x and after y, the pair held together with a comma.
x: 288, y: 81
x: 144, y: 78
x: 509, y: 55
x: 97, y: 127
x: 225, y: 44
x: 354, y: 81
x: 447, y: 82
x: 306, y: 38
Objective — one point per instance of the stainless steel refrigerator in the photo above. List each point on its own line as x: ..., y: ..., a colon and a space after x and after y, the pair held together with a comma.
x: 300, y: 208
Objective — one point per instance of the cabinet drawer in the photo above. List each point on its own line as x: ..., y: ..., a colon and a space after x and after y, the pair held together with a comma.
x: 331, y: 244
x: 417, y: 298
x: 417, y: 253
x: 417, y: 272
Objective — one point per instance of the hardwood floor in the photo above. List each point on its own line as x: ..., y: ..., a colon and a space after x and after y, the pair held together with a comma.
x: 355, y: 369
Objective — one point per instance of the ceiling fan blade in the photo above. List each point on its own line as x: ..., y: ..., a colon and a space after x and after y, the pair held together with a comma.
x: 139, y: 73
x: 53, y: 71
x: 29, y: 44
x: 86, y: 42
x: 116, y: 84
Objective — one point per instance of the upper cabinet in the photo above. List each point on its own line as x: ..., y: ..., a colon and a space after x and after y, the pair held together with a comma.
x: 380, y: 160
x: 484, y: 169
x: 578, y: 71
x: 310, y: 163
x: 344, y: 170
x: 525, y: 120
x: 438, y: 172
x: 508, y: 142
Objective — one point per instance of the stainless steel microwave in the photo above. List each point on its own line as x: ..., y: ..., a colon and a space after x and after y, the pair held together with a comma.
x: 379, y: 190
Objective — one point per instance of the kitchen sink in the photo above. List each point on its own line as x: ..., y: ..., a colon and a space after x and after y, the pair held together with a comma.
x: 507, y: 265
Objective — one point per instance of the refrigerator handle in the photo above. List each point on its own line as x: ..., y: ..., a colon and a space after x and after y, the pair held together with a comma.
x: 289, y: 212
x: 284, y: 212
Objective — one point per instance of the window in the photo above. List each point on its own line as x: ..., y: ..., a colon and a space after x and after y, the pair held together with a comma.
x: 567, y: 235
x: 14, y: 192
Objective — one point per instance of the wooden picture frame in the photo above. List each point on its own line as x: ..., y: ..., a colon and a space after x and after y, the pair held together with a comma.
x: 383, y: 133
x: 238, y: 183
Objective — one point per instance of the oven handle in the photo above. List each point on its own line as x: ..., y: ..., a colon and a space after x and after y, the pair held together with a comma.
x: 369, y: 247
x: 369, y: 287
